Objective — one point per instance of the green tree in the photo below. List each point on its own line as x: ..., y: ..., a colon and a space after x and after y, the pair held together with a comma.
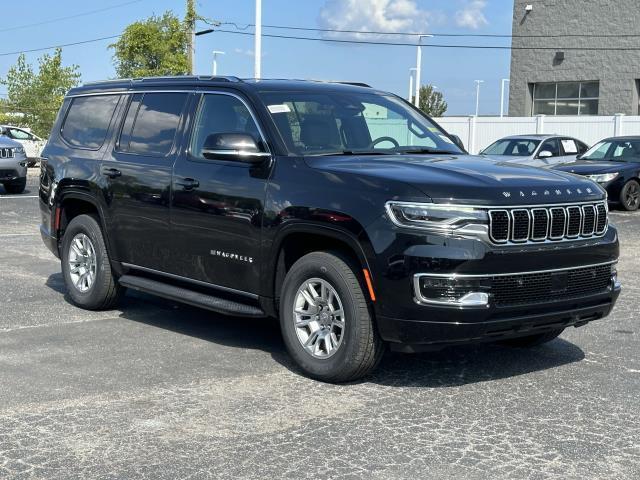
x: 34, y: 98
x: 153, y: 47
x: 431, y: 102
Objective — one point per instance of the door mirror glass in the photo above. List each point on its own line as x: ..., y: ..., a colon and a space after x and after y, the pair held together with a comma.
x: 241, y: 147
x: 545, y: 154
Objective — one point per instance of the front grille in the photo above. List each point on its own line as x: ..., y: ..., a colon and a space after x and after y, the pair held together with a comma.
x: 537, y: 224
x: 544, y: 287
x: 7, y: 152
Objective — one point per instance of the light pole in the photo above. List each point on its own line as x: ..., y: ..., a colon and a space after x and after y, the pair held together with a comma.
x: 411, y: 74
x: 478, y: 82
x: 504, y: 80
x: 215, y: 61
x: 257, y: 69
x: 418, y: 68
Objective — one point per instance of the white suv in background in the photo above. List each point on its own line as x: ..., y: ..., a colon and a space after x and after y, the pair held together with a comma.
x: 32, y: 144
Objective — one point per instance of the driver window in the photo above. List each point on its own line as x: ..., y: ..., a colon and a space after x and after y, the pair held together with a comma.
x: 219, y: 113
x: 551, y: 146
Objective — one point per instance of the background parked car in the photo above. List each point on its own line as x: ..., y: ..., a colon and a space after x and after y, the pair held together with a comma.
x: 32, y: 144
x: 535, y: 150
x: 615, y: 164
x: 13, y: 166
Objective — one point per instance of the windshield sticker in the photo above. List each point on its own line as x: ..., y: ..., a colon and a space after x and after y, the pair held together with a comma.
x: 433, y: 129
x: 282, y: 108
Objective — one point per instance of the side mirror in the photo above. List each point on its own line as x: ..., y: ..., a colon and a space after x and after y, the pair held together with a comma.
x: 458, y: 141
x: 545, y: 154
x: 240, y: 147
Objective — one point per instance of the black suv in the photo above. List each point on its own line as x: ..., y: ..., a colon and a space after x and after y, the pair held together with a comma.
x: 340, y: 209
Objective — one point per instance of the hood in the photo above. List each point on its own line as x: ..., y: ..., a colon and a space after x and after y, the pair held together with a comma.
x: 6, y: 142
x: 467, y: 179
x: 590, y: 167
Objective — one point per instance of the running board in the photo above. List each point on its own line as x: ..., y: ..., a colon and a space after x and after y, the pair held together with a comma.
x: 183, y: 295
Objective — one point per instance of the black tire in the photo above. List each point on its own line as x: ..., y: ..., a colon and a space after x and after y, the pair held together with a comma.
x: 361, y: 348
x: 630, y: 196
x: 16, y: 186
x: 533, y: 340
x: 105, y: 292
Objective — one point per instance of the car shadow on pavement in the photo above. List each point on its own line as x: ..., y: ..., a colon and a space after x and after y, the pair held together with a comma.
x: 450, y: 367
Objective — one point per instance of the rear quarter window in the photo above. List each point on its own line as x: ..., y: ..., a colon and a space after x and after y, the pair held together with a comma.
x: 151, y: 123
x: 88, y: 119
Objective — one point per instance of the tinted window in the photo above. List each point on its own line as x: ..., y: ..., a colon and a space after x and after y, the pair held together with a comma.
x: 221, y: 114
x: 88, y: 120
x: 615, y: 150
x: 151, y: 123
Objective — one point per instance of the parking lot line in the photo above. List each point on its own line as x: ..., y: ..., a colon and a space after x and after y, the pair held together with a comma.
x: 18, y: 196
x: 17, y: 234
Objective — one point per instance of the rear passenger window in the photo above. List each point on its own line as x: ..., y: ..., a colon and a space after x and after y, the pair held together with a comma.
x: 151, y: 123
x: 88, y: 120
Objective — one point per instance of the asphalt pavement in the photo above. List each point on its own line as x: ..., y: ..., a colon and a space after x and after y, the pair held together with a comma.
x: 158, y: 390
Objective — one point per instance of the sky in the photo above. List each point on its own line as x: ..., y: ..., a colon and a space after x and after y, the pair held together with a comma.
x: 453, y: 71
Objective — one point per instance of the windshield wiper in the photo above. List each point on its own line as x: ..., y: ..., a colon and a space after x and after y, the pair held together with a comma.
x: 427, y: 150
x: 349, y: 152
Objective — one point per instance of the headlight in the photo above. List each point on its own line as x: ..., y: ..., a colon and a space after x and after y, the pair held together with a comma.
x: 603, y: 177
x: 431, y: 216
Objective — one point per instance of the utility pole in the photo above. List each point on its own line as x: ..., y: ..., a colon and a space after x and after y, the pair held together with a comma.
x: 504, y: 80
x: 411, y: 73
x: 215, y: 61
x: 419, y: 69
x: 257, y: 68
x: 190, y: 22
x: 478, y: 82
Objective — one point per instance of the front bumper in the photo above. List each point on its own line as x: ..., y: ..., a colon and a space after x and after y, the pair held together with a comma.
x: 414, y: 336
x: 13, y: 168
x: 412, y: 324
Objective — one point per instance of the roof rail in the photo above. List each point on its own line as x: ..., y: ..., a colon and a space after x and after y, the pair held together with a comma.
x: 165, y: 78
x: 355, y: 84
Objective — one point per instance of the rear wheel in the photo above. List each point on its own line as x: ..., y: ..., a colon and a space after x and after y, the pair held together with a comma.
x: 85, y: 266
x: 16, y: 186
x: 533, y: 340
x: 630, y: 196
x: 325, y: 320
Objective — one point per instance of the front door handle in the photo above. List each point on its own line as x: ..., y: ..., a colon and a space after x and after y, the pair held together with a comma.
x: 188, y: 184
x: 111, y: 172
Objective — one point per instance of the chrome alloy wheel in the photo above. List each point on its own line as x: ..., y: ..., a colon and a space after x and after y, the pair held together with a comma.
x: 319, y: 318
x: 82, y: 262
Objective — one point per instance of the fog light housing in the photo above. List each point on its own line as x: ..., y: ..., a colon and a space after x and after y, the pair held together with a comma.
x: 450, y: 290
x: 615, y: 283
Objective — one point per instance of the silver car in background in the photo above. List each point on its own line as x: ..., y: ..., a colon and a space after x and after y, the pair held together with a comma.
x: 13, y: 166
x: 535, y: 150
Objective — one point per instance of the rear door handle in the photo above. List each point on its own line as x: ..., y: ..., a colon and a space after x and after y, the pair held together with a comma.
x: 111, y: 172
x: 188, y: 184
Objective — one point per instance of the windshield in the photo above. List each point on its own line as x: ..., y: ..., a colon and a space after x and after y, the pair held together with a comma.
x: 614, y: 150
x: 312, y: 123
x: 512, y: 147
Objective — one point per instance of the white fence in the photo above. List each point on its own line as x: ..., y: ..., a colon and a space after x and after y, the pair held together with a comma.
x: 480, y: 132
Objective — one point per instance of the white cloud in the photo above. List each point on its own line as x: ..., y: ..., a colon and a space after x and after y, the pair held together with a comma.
x: 373, y: 15
x: 472, y: 15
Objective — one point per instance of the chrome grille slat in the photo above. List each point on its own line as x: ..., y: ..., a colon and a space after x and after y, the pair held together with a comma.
x: 517, y: 225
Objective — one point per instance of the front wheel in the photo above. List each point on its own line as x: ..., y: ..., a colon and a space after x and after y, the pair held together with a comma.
x: 85, y: 266
x: 630, y: 196
x: 16, y: 186
x: 325, y: 320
